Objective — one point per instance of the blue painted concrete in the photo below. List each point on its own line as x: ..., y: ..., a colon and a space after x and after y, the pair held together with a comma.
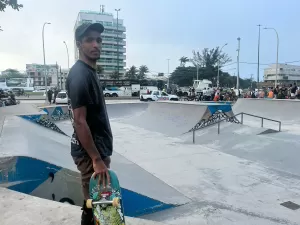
x: 33, y: 172
x: 223, y: 108
x: 41, y: 120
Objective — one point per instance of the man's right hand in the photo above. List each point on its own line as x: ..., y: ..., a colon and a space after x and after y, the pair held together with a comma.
x: 101, y: 171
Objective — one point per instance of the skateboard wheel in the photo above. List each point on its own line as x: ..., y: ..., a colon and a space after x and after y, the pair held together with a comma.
x: 89, y: 204
x: 116, y: 202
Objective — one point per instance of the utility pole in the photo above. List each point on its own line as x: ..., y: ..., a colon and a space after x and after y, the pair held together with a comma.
x: 251, y: 79
x: 45, y: 75
x: 118, y: 69
x: 168, y: 73
x: 238, y: 66
x: 258, y: 53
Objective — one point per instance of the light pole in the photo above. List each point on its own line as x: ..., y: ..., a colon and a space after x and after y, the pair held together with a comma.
x: 117, y: 10
x: 238, y: 66
x: 258, y: 53
x: 45, y: 75
x: 168, y: 73
x: 271, y: 28
x: 68, y: 59
x: 218, y: 80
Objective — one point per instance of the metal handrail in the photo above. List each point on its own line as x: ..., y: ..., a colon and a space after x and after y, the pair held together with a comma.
x: 242, y: 120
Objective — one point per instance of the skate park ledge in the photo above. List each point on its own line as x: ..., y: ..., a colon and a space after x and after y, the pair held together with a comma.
x: 19, y: 208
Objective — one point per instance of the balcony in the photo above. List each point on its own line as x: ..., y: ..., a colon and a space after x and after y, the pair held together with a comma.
x: 106, y: 34
x: 113, y: 49
x: 110, y: 56
x: 113, y: 41
x: 111, y: 63
x: 114, y: 27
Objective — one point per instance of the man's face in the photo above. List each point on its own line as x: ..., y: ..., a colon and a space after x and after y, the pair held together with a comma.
x: 91, y: 45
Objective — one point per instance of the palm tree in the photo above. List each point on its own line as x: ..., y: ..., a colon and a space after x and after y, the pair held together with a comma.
x: 132, y: 73
x: 142, y: 72
x: 114, y: 75
x: 183, y: 60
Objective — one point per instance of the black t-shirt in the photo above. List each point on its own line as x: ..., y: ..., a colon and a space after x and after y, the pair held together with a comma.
x: 84, y: 89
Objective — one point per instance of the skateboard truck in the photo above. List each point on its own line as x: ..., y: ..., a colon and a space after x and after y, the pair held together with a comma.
x: 115, y: 203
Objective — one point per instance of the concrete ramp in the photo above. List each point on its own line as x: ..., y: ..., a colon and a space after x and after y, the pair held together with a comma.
x: 125, y: 109
x: 277, y: 109
x: 18, y: 208
x: 176, y: 118
x: 35, y: 160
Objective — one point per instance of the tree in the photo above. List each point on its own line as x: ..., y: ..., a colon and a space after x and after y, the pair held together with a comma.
x: 8, y: 73
x: 12, y: 3
x: 115, y: 75
x: 132, y: 73
x: 142, y: 72
x: 99, y: 69
x: 183, y: 76
x: 183, y: 60
x: 210, y: 57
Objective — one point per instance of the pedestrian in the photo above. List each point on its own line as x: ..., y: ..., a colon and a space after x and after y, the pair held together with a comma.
x: 49, y: 94
x: 92, y: 140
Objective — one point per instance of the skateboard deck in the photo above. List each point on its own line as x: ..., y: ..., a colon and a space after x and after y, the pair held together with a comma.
x: 106, y: 202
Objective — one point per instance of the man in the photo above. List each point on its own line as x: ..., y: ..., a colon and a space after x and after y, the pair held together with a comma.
x: 92, y: 141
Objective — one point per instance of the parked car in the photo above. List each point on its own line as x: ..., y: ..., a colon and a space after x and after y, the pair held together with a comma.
x: 61, y: 98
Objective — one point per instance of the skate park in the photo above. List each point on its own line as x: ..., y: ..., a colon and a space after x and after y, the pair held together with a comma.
x: 178, y: 163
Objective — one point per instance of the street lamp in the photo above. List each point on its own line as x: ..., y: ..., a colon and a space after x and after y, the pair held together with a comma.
x: 271, y: 28
x: 218, y: 80
x: 44, y: 59
x: 117, y: 10
x: 68, y: 59
x: 238, y: 66
x: 168, y: 73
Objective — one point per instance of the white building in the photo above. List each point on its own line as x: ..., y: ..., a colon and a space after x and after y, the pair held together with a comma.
x: 287, y: 74
x: 113, y: 44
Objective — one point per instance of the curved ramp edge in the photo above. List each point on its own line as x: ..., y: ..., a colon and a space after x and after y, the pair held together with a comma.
x: 41, y: 179
x: 40, y: 152
x: 177, y: 118
x: 33, y: 211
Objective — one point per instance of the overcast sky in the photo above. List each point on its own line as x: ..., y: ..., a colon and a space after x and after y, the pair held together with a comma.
x: 156, y: 30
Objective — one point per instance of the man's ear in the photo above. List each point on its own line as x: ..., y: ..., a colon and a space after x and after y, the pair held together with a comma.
x: 78, y: 44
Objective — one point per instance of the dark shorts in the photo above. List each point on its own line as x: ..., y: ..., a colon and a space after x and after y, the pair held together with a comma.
x: 85, y: 166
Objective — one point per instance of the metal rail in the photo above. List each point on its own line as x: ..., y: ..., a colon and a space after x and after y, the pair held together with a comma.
x: 242, y: 120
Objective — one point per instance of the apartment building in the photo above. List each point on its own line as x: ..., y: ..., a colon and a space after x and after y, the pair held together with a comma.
x: 286, y: 74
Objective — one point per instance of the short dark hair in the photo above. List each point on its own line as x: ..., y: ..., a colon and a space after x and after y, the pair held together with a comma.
x: 82, y: 30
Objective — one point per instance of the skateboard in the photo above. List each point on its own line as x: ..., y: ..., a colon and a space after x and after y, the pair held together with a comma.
x: 106, y: 202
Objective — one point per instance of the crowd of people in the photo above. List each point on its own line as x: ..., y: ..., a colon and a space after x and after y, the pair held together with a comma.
x: 280, y: 92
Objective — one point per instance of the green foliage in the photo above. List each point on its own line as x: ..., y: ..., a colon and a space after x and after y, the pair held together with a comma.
x: 99, y: 69
x: 12, y: 3
x: 115, y: 75
x: 137, y: 74
x: 142, y: 72
x: 132, y: 73
x: 8, y: 73
x: 210, y: 57
x: 183, y: 60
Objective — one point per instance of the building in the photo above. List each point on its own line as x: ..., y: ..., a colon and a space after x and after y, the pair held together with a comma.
x: 113, y: 40
x: 287, y: 74
x: 36, y: 71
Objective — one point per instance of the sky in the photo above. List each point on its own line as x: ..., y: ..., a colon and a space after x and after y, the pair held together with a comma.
x: 157, y: 30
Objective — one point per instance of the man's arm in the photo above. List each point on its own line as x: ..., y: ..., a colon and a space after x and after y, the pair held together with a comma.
x: 84, y: 133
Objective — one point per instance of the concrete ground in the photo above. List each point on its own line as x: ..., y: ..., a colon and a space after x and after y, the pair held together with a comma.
x: 18, y: 208
x: 227, y: 179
